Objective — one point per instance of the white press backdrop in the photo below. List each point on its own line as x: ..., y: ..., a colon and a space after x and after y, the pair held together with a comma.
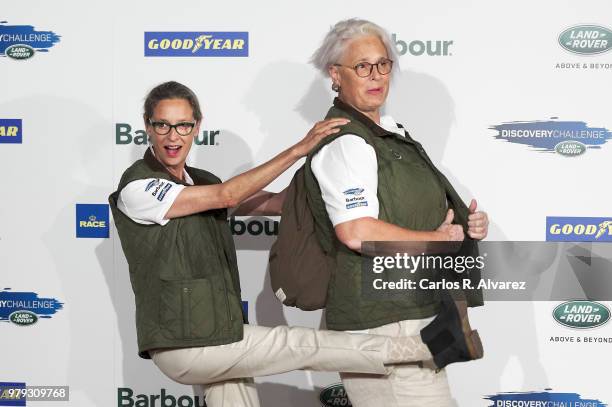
x: 500, y: 67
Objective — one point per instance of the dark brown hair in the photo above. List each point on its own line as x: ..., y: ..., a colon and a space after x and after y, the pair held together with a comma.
x: 171, y: 90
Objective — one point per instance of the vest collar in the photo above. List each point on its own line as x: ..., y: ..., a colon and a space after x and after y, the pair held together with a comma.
x: 154, y: 164
x: 362, y: 118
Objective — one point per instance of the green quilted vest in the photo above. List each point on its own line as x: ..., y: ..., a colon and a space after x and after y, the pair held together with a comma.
x: 412, y: 194
x: 184, y: 275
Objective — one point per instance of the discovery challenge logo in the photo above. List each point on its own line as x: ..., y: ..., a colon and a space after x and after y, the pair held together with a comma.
x: 567, y: 138
x: 542, y: 399
x: 10, y: 131
x: 578, y: 229
x: 23, y: 41
x: 196, y: 44
x: 92, y: 220
x: 25, y: 308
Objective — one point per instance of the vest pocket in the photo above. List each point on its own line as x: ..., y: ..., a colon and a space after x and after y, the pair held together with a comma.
x: 186, y: 309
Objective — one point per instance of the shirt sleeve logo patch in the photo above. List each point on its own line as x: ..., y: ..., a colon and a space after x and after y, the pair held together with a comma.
x: 353, y: 198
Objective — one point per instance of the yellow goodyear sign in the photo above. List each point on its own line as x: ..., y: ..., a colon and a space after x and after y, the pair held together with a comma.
x: 196, y: 44
x: 578, y: 229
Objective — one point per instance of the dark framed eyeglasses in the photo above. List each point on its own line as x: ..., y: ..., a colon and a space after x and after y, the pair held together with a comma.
x: 364, y: 69
x: 163, y: 128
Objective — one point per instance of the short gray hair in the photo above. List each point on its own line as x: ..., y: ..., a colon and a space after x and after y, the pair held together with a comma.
x: 334, y: 43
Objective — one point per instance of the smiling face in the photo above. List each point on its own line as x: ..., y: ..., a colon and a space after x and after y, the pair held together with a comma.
x: 172, y: 149
x: 365, y: 94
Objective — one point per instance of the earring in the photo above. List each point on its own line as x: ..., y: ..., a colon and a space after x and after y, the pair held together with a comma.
x: 335, y: 87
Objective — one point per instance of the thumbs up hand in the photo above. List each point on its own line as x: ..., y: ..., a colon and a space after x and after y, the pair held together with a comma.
x: 450, y: 231
x: 478, y: 222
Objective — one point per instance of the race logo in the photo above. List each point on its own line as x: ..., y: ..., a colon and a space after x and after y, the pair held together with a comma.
x: 26, y: 308
x: 353, y: 198
x: 581, y: 314
x: 196, y: 44
x: 124, y: 135
x: 586, y: 39
x: 334, y: 395
x: 566, y: 138
x: 127, y: 398
x: 541, y: 399
x: 10, y: 131
x: 578, y: 229
x: 23, y: 41
x: 92, y: 220
x: 253, y: 226
x: 417, y: 48
x: 12, y: 394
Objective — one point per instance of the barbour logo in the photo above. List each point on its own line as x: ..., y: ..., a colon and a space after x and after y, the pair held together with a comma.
x: 581, y: 314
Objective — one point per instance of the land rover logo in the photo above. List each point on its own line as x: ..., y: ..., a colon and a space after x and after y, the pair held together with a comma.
x: 586, y: 39
x: 334, y: 395
x: 581, y: 314
x: 19, y: 51
x: 570, y: 148
x: 23, y: 318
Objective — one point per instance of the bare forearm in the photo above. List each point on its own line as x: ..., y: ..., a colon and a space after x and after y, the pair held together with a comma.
x: 354, y: 232
x: 262, y: 203
x: 231, y: 193
x: 242, y: 186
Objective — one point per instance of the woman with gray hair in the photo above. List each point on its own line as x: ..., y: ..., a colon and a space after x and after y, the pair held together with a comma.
x: 373, y: 182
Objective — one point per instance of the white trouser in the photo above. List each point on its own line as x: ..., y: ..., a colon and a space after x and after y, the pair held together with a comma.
x: 266, y: 351
x: 408, y: 385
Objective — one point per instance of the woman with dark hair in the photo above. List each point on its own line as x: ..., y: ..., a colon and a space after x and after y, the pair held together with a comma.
x: 172, y: 222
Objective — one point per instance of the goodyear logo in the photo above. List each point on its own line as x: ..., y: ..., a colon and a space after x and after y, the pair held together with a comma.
x: 10, y: 131
x: 196, y: 44
x: 92, y: 220
x: 586, y: 39
x: 23, y: 41
x: 578, y: 229
x: 334, y: 395
x: 11, y: 394
x: 581, y: 314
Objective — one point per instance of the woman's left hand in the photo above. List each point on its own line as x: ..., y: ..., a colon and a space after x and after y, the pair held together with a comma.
x: 478, y: 222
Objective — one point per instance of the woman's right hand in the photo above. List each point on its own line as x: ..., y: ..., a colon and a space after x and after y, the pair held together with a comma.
x: 448, y: 231
x: 319, y: 131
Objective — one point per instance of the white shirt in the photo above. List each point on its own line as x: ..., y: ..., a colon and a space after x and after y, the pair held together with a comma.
x: 147, y: 201
x: 347, y: 172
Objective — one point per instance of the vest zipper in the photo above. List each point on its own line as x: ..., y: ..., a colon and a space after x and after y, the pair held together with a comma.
x: 227, y: 305
x: 187, y: 312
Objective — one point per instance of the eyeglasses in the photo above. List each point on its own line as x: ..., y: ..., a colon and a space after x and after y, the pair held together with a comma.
x: 163, y: 128
x: 364, y: 69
